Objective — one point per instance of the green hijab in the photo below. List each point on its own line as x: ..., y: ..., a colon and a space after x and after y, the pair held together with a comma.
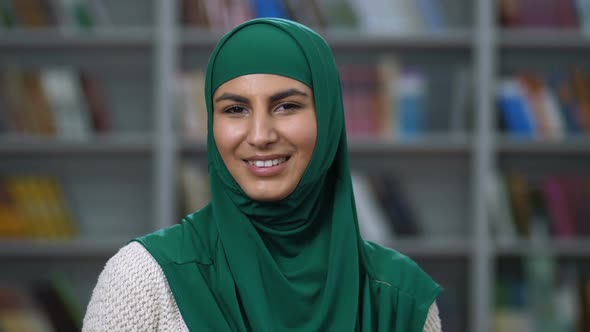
x: 298, y: 264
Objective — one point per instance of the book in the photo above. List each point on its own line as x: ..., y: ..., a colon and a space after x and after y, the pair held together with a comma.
x: 12, y: 221
x: 36, y: 106
x: 194, y: 187
x: 501, y: 216
x: 373, y: 223
x: 55, y: 298
x: 306, y: 12
x: 411, y: 118
x: 269, y: 8
x: 514, y: 111
x: 395, y: 204
x: 519, y: 195
x: 77, y: 15
x: 32, y: 13
x: 11, y: 82
x: 19, y: 311
x: 7, y: 15
x: 581, y: 86
x: 97, y: 103
x: 193, y: 14
x: 543, y: 104
x: 191, y: 109
x: 557, y: 204
x: 36, y: 207
x: 66, y: 99
x: 338, y: 14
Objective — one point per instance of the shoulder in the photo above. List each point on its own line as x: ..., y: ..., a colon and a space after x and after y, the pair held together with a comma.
x: 397, y: 271
x: 193, y: 239
x: 131, y: 292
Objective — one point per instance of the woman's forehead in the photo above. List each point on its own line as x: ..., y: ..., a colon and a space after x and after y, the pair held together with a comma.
x: 265, y: 84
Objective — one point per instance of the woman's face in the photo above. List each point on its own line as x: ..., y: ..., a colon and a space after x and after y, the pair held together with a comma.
x: 265, y: 129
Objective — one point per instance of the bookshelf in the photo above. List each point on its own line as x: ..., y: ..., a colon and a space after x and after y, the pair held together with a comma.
x: 124, y: 183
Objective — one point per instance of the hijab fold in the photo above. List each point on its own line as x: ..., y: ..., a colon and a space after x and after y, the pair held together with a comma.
x: 298, y: 264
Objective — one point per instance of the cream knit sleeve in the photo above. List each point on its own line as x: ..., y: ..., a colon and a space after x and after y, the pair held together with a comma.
x: 132, y: 295
x: 433, y: 320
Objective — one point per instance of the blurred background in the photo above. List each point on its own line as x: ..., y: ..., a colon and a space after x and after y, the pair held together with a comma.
x: 468, y: 127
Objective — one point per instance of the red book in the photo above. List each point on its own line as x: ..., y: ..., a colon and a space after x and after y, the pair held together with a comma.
x: 557, y: 207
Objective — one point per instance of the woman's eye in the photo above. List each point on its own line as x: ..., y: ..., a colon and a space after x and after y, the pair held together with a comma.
x: 288, y: 107
x: 234, y: 110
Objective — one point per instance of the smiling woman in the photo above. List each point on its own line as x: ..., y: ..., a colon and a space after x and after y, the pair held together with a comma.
x: 265, y: 130
x: 278, y: 248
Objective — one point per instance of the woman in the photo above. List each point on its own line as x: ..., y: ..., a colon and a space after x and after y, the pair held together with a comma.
x: 278, y: 248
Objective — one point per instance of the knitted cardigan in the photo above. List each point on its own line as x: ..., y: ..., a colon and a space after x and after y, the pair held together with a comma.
x: 132, y: 294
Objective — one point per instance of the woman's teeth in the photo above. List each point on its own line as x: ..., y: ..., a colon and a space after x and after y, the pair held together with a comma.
x: 267, y: 163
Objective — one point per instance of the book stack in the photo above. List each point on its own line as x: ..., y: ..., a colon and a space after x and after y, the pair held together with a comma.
x: 64, y: 15
x: 374, y: 17
x: 35, y: 207
x: 45, y: 305
x: 560, y: 202
x: 541, y: 294
x: 554, y: 107
x: 52, y: 102
x: 383, y: 208
x: 554, y: 14
x: 390, y: 101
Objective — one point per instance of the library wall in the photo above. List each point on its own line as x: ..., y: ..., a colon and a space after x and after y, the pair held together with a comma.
x: 488, y: 190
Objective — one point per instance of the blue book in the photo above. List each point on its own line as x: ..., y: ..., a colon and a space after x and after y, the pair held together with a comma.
x: 411, y: 105
x: 270, y: 8
x: 514, y: 110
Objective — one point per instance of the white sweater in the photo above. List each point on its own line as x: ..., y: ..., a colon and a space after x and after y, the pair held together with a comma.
x: 132, y: 294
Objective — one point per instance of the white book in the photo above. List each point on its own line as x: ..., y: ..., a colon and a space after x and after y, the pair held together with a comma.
x: 373, y: 223
x: 501, y: 218
x: 67, y: 102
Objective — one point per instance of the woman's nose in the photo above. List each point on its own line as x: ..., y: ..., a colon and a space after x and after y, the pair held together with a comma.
x: 262, y: 131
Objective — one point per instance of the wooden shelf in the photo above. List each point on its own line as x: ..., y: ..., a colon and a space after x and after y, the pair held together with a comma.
x: 60, y: 249
x: 422, y: 247
x: 351, y: 40
x: 526, y: 39
x: 21, y: 39
x: 427, y: 145
x: 575, y: 247
x: 35, y: 146
x: 571, y: 146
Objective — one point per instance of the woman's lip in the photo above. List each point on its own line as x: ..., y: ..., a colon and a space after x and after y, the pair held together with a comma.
x: 266, y: 171
x: 269, y: 157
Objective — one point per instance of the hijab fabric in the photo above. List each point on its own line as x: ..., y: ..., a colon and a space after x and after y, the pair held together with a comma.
x: 298, y: 264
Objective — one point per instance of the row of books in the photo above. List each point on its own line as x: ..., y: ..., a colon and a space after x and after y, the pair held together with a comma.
x: 553, y: 106
x: 388, y: 101
x: 375, y: 17
x: 394, y: 101
x: 558, y: 205
x: 383, y: 209
x: 65, y: 15
x: 35, y: 207
x: 544, y: 14
x: 542, y: 295
x: 52, y: 102
x: 45, y: 305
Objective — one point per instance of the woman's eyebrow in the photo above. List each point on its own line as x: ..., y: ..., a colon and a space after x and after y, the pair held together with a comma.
x: 286, y: 93
x: 273, y: 98
x: 232, y: 97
